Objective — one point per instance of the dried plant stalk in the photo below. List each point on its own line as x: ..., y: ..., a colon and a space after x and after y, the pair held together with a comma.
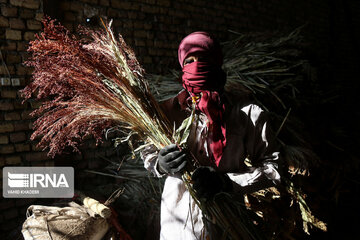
x: 89, y: 87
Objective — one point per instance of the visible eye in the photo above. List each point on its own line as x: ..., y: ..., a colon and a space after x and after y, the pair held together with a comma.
x: 188, y: 60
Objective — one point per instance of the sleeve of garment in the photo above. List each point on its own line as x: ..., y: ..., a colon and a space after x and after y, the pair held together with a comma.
x: 150, y: 157
x: 262, y: 157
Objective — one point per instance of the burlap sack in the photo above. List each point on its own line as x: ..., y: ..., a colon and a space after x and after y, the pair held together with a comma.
x: 67, y: 223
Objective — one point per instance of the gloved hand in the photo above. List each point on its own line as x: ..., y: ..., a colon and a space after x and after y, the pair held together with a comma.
x: 171, y: 160
x: 207, y: 182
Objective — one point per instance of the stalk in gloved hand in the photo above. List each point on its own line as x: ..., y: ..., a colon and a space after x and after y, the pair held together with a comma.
x: 171, y: 160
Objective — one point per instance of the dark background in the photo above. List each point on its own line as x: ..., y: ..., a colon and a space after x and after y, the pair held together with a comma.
x: 154, y: 28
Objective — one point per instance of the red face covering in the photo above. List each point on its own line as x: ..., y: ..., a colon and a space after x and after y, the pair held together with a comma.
x: 207, y: 81
x: 202, y: 76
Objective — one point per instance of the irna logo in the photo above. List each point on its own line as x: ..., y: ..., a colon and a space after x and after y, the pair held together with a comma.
x: 36, y: 180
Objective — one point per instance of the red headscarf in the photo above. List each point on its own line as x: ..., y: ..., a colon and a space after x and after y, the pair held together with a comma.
x: 206, y: 79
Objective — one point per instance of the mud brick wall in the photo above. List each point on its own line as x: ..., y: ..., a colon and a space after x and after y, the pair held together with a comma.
x: 19, y: 20
x: 154, y: 28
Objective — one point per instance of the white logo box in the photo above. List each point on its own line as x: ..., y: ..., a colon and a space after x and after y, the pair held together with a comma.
x: 38, y: 182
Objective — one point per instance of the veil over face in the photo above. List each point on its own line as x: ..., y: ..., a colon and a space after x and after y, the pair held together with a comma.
x: 204, y: 80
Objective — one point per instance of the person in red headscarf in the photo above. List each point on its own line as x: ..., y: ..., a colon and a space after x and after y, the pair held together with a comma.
x: 230, y: 140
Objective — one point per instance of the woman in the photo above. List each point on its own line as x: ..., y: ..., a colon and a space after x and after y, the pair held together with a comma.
x: 231, y: 141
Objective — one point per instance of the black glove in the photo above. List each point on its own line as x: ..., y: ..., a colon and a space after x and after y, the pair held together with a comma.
x: 207, y: 182
x: 171, y: 160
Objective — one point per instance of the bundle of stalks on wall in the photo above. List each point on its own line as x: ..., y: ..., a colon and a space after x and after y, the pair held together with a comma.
x: 278, y: 77
x: 94, y: 84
